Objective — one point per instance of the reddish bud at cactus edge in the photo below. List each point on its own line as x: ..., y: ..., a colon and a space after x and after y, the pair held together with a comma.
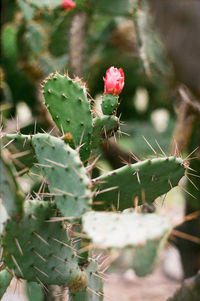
x: 68, y: 5
x: 114, y: 81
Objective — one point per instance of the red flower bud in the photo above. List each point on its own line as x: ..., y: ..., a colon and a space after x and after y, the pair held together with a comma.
x: 68, y: 5
x: 114, y: 81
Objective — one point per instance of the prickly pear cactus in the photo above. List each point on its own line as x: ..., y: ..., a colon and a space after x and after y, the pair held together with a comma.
x: 21, y: 149
x: 67, y: 102
x: 145, y: 180
x: 94, y: 290
x: 10, y: 192
x: 109, y: 104
x: 39, y: 250
x: 5, y: 278
x: 37, y: 243
x: 58, y: 160
x: 103, y: 128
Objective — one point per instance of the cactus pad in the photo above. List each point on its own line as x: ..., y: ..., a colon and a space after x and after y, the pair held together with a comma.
x: 94, y: 289
x: 103, y: 128
x: 109, y: 104
x: 145, y: 180
x: 119, y: 230
x: 67, y: 102
x: 9, y: 191
x: 66, y: 175
x: 140, y: 236
x: 5, y: 278
x: 37, y: 250
x: 20, y: 144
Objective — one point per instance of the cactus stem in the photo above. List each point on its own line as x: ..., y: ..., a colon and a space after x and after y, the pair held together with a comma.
x: 42, y: 239
x: 42, y: 272
x: 18, y: 246
x: 16, y: 264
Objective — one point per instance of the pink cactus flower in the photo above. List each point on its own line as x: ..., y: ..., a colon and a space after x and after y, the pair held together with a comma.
x: 68, y: 5
x: 114, y: 81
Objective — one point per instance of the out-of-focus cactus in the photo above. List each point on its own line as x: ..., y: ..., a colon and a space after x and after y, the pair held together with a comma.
x: 5, y: 278
x: 10, y: 192
x: 139, y: 236
x: 189, y: 291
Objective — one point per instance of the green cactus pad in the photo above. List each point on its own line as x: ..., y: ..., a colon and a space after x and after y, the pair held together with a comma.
x: 140, y: 235
x: 3, y: 216
x: 66, y: 174
x: 5, y: 278
x: 34, y: 291
x: 9, y: 191
x: 69, y: 107
x: 145, y: 180
x: 109, y: 104
x: 20, y: 144
x: 94, y: 289
x: 103, y: 128
x: 37, y: 250
x: 35, y: 37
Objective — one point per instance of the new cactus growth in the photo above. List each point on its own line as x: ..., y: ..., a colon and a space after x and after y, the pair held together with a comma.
x: 103, y: 128
x: 109, y: 104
